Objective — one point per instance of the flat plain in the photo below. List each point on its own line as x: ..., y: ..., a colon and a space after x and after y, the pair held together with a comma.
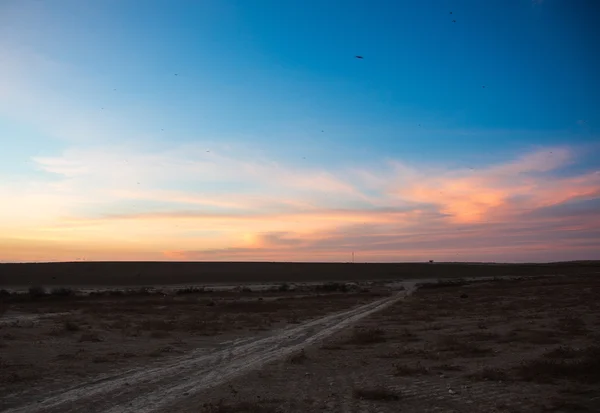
x: 467, y: 343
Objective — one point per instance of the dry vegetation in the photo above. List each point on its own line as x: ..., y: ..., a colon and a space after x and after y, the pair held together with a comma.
x: 456, y: 346
x: 60, y: 337
x: 500, y: 346
x: 376, y: 393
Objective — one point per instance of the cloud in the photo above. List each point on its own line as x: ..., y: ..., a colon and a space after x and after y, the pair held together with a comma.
x: 224, y: 205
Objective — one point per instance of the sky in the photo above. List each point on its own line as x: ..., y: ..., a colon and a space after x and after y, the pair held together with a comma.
x: 249, y: 130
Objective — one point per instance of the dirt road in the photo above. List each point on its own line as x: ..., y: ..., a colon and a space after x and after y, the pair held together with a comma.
x: 155, y: 389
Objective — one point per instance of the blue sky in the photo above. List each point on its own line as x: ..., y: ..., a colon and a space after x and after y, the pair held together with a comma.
x: 237, y: 108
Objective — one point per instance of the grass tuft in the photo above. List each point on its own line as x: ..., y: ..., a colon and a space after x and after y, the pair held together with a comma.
x: 376, y: 393
x: 367, y: 336
x: 71, y: 326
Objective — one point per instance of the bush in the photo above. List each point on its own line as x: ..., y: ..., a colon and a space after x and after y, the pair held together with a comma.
x: 332, y: 287
x: 71, y: 326
x: 298, y: 358
x: 583, y: 366
x: 190, y: 290
x: 37, y: 291
x: 376, y: 393
x: 90, y: 338
x: 62, y: 292
x: 367, y: 336
x: 443, y: 284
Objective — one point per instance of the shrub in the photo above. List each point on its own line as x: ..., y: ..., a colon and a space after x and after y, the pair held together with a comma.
x: 333, y: 287
x: 37, y: 291
x: 367, y: 336
x: 90, y: 337
x: 191, y: 290
x: 62, y: 292
x: 407, y: 370
x: 585, y: 368
x: 376, y: 393
x: 491, y: 374
x: 71, y: 326
x: 298, y: 358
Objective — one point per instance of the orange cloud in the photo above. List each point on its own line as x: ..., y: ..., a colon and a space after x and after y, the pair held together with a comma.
x: 409, y: 212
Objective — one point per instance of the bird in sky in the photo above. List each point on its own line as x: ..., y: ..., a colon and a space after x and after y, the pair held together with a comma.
x: 453, y: 21
x: 359, y: 57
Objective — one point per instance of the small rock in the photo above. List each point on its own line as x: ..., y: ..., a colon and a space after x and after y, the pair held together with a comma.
x: 450, y: 391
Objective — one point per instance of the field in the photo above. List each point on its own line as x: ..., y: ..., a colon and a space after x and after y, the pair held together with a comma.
x: 494, y: 345
x: 512, y: 346
x: 170, y: 273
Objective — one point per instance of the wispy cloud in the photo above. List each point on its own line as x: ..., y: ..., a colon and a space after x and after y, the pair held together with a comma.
x: 171, y: 203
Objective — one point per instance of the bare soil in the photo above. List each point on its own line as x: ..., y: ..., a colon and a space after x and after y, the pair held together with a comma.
x: 52, y: 343
x: 515, y: 346
x: 529, y: 345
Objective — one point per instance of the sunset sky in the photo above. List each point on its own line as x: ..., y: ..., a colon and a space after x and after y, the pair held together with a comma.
x: 247, y: 130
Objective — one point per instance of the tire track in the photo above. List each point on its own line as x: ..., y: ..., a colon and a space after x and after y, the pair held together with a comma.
x: 153, y: 389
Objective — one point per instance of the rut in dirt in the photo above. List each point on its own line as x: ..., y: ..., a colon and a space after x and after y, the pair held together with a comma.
x: 154, y: 389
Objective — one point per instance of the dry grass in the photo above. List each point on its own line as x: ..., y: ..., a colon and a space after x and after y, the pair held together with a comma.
x: 298, y: 358
x: 483, y: 336
x: 584, y: 367
x: 406, y: 335
x: 161, y: 351
x: 376, y: 394
x: 332, y: 346
x: 159, y: 334
x: 241, y: 407
x: 561, y: 404
x: 572, y: 326
x: 449, y: 367
x: 91, y: 337
x: 71, y: 326
x: 562, y: 352
x: 3, y: 308
x: 460, y: 347
x: 531, y: 336
x: 489, y: 373
x: 402, y: 369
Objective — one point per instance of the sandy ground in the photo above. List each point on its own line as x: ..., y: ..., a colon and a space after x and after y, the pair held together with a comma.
x: 504, y: 346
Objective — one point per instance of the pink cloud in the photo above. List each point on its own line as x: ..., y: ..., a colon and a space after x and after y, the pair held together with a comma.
x: 524, y: 207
